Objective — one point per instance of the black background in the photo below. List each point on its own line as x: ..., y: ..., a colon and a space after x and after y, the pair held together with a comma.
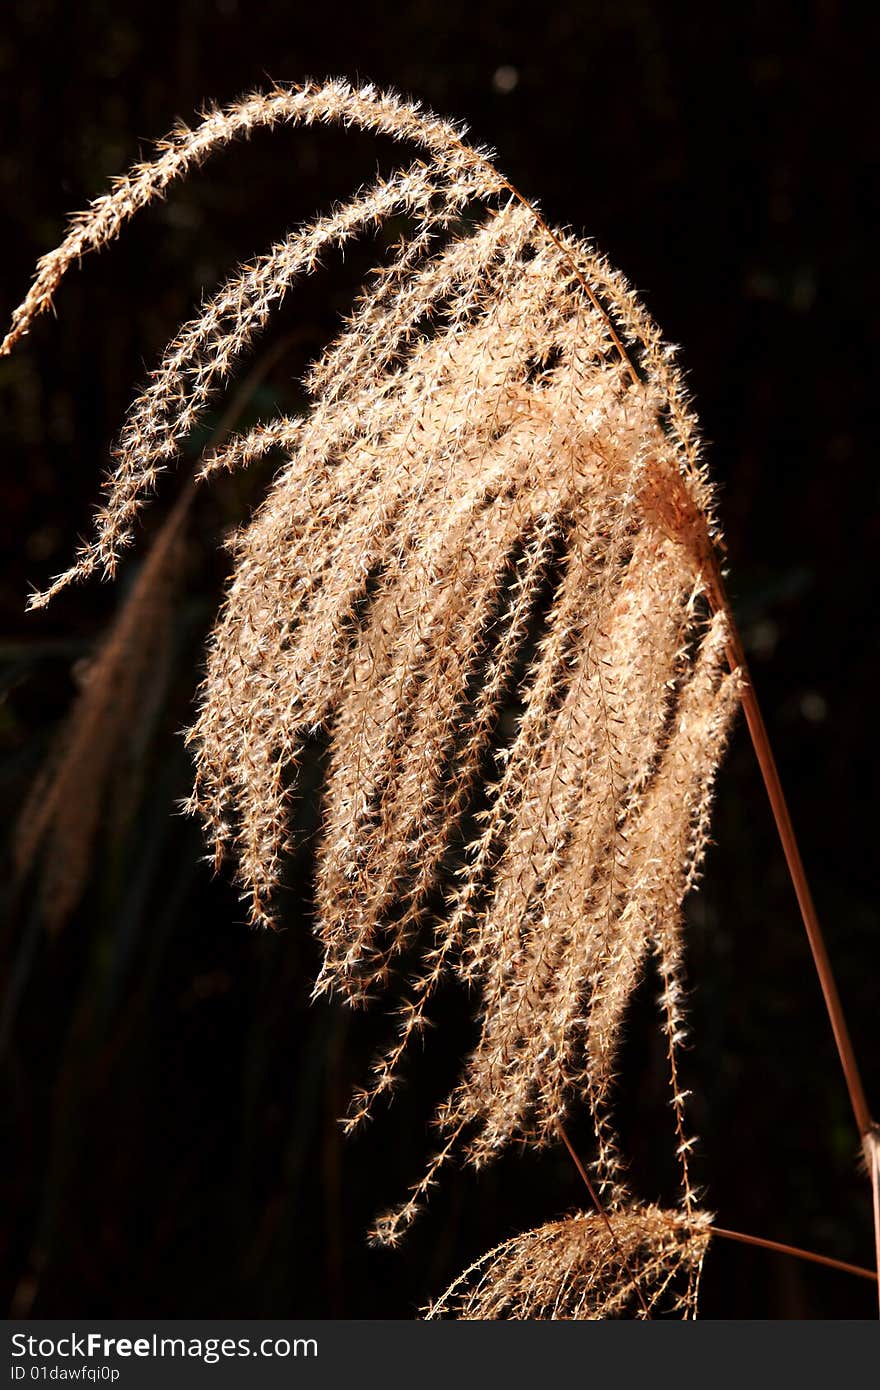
x: 169, y: 1096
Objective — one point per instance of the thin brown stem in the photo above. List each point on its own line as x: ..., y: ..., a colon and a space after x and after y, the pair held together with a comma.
x: 777, y: 1246
x: 874, y: 1163
x: 603, y: 1215
x: 794, y: 1250
x: 868, y: 1131
x: 770, y: 774
x: 767, y: 763
x: 560, y: 246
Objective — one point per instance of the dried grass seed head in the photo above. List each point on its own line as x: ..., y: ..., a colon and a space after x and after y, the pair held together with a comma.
x: 576, y: 1269
x: 497, y: 497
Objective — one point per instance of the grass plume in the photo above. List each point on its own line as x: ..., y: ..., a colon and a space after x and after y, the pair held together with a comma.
x: 573, y: 1269
x: 496, y: 501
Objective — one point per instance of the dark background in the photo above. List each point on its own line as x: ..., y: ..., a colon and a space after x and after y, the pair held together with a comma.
x: 169, y: 1097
